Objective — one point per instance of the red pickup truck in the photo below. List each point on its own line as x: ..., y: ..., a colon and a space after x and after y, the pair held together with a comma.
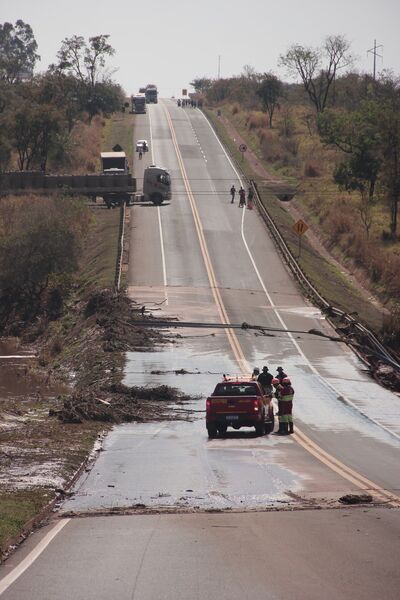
x: 239, y: 403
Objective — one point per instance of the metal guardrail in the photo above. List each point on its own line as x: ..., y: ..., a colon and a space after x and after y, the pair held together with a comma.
x: 120, y: 254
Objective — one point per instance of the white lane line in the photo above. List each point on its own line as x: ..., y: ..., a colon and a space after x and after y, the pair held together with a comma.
x: 32, y: 556
x: 163, y: 261
x: 326, y: 383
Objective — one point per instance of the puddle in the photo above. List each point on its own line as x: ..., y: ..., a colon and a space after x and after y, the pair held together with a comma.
x: 205, y: 369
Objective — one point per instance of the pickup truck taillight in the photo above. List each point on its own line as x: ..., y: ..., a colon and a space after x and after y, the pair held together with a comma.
x: 255, y: 405
x: 208, y: 404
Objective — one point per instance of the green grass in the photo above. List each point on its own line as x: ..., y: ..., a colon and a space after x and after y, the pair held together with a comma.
x: 17, y: 508
x: 328, y: 280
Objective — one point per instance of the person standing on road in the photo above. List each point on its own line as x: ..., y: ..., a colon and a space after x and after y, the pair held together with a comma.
x: 250, y: 198
x: 280, y: 374
x: 232, y: 192
x: 242, y: 197
x: 265, y: 378
x: 255, y: 374
x: 285, y: 394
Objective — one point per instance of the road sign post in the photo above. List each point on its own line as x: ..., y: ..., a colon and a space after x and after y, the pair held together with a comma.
x: 242, y: 149
x: 300, y: 227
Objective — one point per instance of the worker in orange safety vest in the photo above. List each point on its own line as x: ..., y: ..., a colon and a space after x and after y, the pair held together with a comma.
x: 284, y: 394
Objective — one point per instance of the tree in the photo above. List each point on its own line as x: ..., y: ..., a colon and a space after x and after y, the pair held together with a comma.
x: 201, y: 84
x: 33, y: 128
x: 357, y: 135
x: 389, y: 130
x: 17, y: 51
x: 306, y: 62
x: 269, y: 91
x: 86, y: 62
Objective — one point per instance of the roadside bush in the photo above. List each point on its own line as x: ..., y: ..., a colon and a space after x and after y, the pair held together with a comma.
x: 291, y: 146
x: 391, y: 328
x: 41, y: 243
x: 311, y: 170
x: 235, y: 108
x: 338, y: 223
x: 391, y: 275
x: 271, y: 147
x: 256, y: 120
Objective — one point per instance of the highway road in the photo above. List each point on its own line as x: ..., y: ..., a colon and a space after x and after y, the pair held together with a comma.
x: 241, y: 517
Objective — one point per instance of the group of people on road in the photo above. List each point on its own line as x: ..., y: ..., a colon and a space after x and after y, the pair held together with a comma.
x: 188, y: 102
x: 242, y: 196
x: 284, y: 393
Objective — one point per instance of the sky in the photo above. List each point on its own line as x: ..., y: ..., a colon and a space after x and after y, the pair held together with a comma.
x: 171, y: 42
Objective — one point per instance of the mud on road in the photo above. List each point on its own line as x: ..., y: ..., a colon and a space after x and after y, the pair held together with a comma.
x: 64, y: 394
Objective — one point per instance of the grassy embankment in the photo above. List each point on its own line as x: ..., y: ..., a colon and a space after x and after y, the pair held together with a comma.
x: 68, y: 341
x: 301, y: 160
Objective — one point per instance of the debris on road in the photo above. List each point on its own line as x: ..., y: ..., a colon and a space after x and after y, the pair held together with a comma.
x: 119, y: 403
x: 356, y: 499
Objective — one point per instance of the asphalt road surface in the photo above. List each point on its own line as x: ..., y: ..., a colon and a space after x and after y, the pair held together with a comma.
x: 279, y: 531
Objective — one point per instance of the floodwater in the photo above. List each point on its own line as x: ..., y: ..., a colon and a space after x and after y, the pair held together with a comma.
x: 174, y: 465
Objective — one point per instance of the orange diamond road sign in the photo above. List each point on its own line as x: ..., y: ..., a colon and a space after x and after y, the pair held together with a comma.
x: 300, y: 227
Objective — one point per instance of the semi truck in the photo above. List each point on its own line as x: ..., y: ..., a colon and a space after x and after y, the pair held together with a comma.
x: 115, y: 185
x: 156, y: 185
x: 138, y: 104
x: 151, y: 94
x: 156, y: 181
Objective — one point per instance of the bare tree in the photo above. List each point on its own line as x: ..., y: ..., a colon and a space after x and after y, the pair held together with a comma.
x: 85, y: 61
x: 307, y: 63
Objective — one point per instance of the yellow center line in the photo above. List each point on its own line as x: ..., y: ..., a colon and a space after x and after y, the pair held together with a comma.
x: 304, y: 441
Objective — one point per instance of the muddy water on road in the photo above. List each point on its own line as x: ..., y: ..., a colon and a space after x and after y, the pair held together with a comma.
x: 175, y: 465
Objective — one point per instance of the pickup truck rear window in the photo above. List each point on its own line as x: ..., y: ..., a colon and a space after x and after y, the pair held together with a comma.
x: 235, y: 389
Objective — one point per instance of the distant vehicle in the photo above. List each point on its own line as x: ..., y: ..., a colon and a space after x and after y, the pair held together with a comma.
x: 237, y: 403
x: 156, y: 185
x: 151, y: 94
x: 142, y: 146
x: 138, y: 104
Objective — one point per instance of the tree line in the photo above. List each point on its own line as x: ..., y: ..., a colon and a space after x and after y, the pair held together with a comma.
x: 353, y: 112
x: 38, y: 112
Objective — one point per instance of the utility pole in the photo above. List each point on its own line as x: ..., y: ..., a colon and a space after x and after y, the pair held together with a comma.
x: 219, y: 66
x: 374, y: 51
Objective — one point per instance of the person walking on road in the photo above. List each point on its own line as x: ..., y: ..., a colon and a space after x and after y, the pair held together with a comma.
x: 233, y: 193
x: 242, y: 197
x: 285, y: 393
